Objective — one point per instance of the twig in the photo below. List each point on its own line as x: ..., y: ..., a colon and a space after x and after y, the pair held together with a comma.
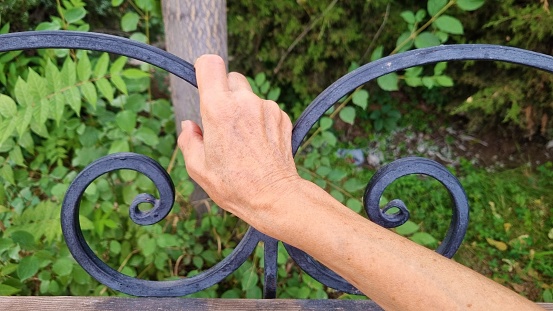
x: 423, y: 27
x: 378, y: 33
x: 302, y: 35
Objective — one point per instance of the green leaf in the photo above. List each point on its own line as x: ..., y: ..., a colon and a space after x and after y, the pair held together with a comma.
x: 27, y: 267
x: 55, y: 85
x: 23, y: 119
x: 119, y: 146
x: 147, y: 136
x: 329, y: 138
x: 140, y: 37
x: 116, y: 3
x: 119, y: 83
x: 428, y: 82
x: 6, y: 290
x: 470, y: 5
x: 129, y: 22
x: 73, y: 99
x: 68, y: 73
x: 388, y: 82
x: 413, y: 71
x: 7, y: 106
x: 22, y: 93
x: 413, y: 81
x: 146, y: 5
x: 449, y: 24
x: 118, y: 65
x: 439, y: 68
x: 421, y: 14
x: 16, y: 156
x: 274, y: 94
x: 355, y: 205
x: 7, y: 174
x: 401, y: 40
x: 89, y: 92
x: 134, y: 73
x: 423, y: 238
x: 115, y: 247
x: 48, y: 26
x: 323, y: 170
x: 249, y: 280
x: 26, y: 141
x: 41, y: 111
x: 377, y: 53
x: 444, y: 81
x: 442, y: 36
x: 347, y: 114
x: 5, y: 29
x: 354, y: 184
x: 105, y: 89
x: 325, y: 123
x: 434, y: 6
x: 361, y: 99
x: 426, y: 39
x: 407, y: 228
x: 260, y: 78
x: 408, y: 17
x: 231, y: 293
x: 198, y: 261
x: 63, y: 266
x: 147, y: 245
x: 74, y: 15
x: 126, y: 120
x: 337, y: 195
x: 101, y: 67
x: 337, y: 175
x: 84, y: 70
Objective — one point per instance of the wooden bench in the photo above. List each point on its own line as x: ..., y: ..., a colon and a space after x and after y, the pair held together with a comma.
x: 108, y: 276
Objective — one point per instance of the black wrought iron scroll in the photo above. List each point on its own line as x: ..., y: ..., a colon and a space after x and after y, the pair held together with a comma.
x: 161, y: 207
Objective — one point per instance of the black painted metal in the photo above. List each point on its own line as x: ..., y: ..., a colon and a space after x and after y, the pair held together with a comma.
x: 108, y: 276
x: 99, y: 42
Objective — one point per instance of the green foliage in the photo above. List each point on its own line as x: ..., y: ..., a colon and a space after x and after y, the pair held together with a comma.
x: 62, y: 109
x: 503, y: 93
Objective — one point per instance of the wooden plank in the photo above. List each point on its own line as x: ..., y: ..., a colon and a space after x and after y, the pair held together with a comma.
x: 147, y: 304
x: 18, y: 303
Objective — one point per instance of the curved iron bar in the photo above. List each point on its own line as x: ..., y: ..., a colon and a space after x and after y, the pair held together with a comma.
x: 184, y: 70
x: 70, y: 210
x: 116, y: 280
x: 99, y: 42
x: 415, y: 165
x: 394, y: 170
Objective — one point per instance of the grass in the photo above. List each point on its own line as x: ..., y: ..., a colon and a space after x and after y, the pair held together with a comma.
x: 510, y: 233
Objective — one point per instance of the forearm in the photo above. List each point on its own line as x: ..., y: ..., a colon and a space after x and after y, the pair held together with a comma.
x: 395, y: 272
x: 243, y: 159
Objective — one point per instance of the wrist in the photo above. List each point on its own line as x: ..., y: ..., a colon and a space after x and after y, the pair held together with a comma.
x: 299, y: 213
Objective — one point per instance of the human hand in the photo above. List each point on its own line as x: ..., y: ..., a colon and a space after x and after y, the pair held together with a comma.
x: 243, y: 158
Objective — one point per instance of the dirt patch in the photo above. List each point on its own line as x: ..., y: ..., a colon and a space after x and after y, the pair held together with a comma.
x: 491, y: 148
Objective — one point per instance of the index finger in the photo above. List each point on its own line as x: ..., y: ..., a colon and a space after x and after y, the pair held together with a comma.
x: 211, y: 74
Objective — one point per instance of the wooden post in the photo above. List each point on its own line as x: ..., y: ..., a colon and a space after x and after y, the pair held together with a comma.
x: 193, y: 28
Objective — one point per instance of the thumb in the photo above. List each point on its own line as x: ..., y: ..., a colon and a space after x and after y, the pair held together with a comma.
x: 191, y: 143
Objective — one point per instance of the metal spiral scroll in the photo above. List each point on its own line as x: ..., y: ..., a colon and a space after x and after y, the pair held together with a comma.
x: 412, y: 165
x: 117, y: 45
x: 70, y: 209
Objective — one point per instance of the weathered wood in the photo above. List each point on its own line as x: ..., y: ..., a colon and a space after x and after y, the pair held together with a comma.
x: 146, y: 304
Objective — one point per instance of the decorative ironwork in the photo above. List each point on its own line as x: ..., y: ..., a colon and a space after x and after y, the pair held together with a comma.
x: 161, y: 207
